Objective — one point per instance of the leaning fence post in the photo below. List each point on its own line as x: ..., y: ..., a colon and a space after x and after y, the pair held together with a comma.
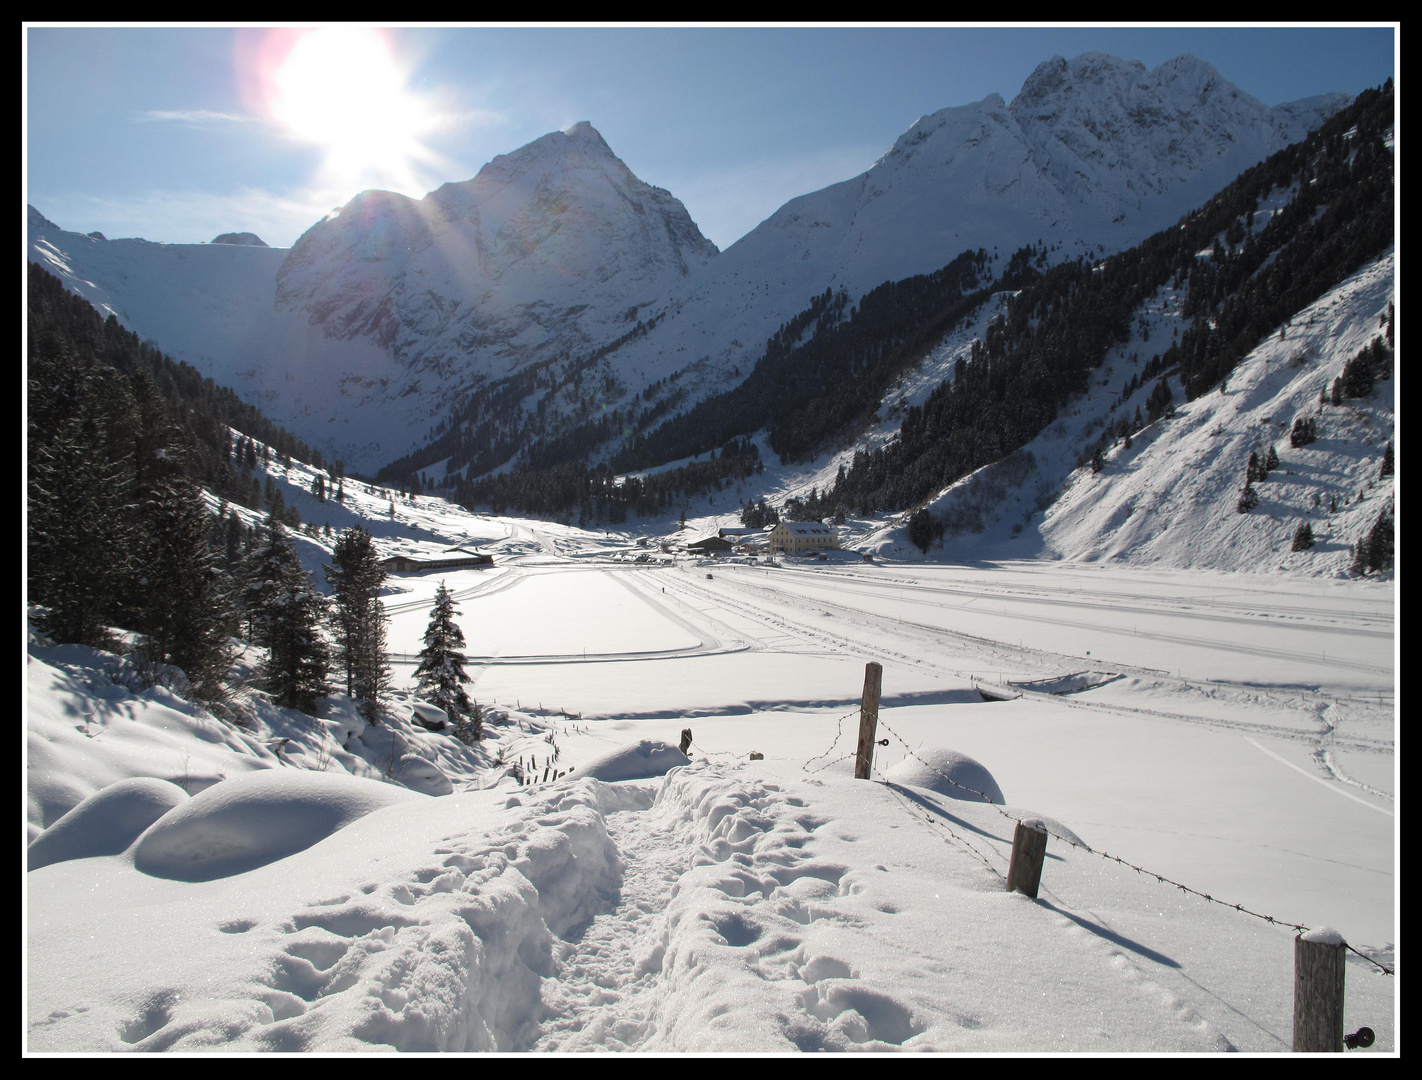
x: 1029, y: 849
x: 868, y: 719
x: 1319, y: 960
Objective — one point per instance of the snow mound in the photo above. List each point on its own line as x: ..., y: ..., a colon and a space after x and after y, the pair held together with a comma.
x: 949, y: 773
x: 249, y: 821
x: 106, y: 822
x: 636, y: 761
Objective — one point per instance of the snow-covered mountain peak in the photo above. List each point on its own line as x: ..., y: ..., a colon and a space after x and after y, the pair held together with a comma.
x: 534, y: 226
x: 583, y: 130
x: 580, y: 147
x: 1058, y: 76
x: 36, y: 221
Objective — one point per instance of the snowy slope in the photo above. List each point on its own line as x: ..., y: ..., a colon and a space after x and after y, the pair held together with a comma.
x: 1170, y: 499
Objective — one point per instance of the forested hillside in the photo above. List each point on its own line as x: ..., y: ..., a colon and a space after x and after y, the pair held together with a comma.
x: 1245, y: 270
x: 121, y: 443
x: 68, y: 338
x: 1243, y: 281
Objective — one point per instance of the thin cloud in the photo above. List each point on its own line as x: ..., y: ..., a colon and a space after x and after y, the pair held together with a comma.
x: 193, y: 116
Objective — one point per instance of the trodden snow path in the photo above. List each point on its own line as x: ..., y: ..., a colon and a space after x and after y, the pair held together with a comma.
x: 608, y: 971
x: 745, y: 921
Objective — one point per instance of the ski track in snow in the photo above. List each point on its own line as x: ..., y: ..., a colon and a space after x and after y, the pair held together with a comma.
x: 989, y: 656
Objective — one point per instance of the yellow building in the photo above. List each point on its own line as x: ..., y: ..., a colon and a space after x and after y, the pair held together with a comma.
x: 798, y: 537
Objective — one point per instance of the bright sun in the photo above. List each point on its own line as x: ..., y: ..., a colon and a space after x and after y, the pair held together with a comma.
x: 340, y: 88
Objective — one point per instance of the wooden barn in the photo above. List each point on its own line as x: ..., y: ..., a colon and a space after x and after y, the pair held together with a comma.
x: 451, y: 558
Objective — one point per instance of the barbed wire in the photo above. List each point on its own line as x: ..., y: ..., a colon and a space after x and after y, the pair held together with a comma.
x: 838, y: 734
x: 1161, y: 878
x: 942, y: 825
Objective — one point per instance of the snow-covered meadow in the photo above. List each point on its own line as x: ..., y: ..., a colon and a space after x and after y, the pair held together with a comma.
x: 1237, y: 738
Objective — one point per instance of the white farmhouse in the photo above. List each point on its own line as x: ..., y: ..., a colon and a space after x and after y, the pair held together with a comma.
x: 798, y: 537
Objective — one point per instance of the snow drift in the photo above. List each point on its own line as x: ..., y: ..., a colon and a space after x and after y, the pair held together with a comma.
x: 252, y: 820
x: 638, y: 761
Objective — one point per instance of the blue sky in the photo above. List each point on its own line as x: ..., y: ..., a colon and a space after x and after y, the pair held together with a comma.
x: 180, y: 133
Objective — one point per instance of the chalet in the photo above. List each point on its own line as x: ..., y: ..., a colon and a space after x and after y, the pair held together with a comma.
x: 711, y: 545
x: 451, y: 558
x: 799, y: 537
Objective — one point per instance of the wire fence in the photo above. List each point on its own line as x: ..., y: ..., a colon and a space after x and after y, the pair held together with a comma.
x: 838, y: 734
x: 1298, y: 928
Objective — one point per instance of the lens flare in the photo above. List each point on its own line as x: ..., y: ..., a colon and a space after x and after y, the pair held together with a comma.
x: 342, y: 89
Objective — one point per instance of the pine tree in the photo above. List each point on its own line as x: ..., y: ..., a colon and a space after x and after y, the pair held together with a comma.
x: 185, y: 610
x: 358, y: 619
x: 80, y: 534
x: 1271, y: 462
x: 1303, y: 537
x: 1387, y: 466
x: 1248, y: 498
x: 81, y: 529
x: 440, y: 673
x: 298, y: 658
x: 1375, y: 551
x: 286, y: 614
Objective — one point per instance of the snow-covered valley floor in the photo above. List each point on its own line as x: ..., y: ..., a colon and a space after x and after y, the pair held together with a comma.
x: 1237, y: 736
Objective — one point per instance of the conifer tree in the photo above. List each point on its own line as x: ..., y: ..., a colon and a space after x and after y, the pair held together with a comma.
x: 184, y: 608
x: 1248, y: 498
x: 81, y: 528
x: 286, y: 613
x: 80, y: 533
x: 1375, y: 550
x: 920, y: 529
x: 358, y: 619
x: 441, y: 670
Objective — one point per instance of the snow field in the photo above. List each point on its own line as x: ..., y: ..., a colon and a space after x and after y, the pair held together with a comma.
x: 774, y: 905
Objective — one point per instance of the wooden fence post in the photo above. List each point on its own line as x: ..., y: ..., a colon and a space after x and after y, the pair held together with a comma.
x: 1320, y: 957
x: 868, y: 719
x: 1029, y: 850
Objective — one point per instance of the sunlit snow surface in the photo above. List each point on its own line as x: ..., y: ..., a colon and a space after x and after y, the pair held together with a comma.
x: 765, y: 905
